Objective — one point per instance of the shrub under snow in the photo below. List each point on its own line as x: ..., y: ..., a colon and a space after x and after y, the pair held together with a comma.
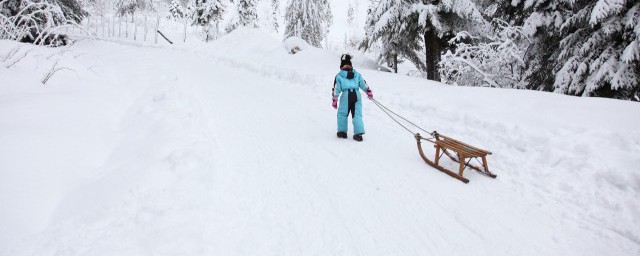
x: 37, y: 22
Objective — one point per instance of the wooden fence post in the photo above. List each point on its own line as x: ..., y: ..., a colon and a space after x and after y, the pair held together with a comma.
x: 102, y: 26
x: 120, y: 26
x: 126, y: 27
x: 135, y: 30
x: 184, y: 38
x: 155, y: 31
x: 145, y: 28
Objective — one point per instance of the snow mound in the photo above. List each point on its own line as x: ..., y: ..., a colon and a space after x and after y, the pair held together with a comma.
x: 258, y: 50
x: 295, y: 44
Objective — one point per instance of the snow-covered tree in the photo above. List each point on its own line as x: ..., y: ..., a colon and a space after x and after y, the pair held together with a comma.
x: 409, y: 23
x: 308, y: 19
x: 599, y: 54
x: 175, y: 10
x: 99, y: 7
x: 247, y: 13
x: 494, y: 60
x: 441, y: 20
x: 351, y: 38
x: 275, y: 8
x: 540, y: 20
x: 38, y: 22
x: 580, y: 47
x: 392, y: 30
x: 72, y: 9
x: 350, y: 15
x: 207, y: 13
x: 130, y: 7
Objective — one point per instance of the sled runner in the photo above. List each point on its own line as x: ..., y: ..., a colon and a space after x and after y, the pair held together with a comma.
x: 464, y: 153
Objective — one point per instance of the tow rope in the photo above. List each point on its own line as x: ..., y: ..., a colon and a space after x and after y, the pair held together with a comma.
x: 389, y: 112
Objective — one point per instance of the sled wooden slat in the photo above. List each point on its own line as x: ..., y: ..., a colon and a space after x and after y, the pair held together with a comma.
x: 463, y: 154
x: 448, y: 138
x: 459, y: 148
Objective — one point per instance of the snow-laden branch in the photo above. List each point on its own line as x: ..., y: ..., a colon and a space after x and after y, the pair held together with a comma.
x: 495, y: 59
x: 35, y: 21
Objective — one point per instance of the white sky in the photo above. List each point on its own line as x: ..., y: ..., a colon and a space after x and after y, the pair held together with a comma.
x: 339, y: 9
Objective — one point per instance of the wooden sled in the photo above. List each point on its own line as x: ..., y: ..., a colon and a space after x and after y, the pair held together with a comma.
x: 464, y: 154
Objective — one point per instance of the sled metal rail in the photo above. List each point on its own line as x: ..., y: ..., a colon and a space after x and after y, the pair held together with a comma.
x: 464, y: 153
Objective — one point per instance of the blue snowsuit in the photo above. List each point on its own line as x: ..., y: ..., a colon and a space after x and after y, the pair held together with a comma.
x: 346, y: 87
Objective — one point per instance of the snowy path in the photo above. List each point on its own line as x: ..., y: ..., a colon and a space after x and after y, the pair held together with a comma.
x: 213, y: 155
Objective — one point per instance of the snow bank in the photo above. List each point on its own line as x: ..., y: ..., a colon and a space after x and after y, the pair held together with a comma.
x: 229, y: 148
x: 52, y: 134
x: 295, y: 44
x: 256, y: 51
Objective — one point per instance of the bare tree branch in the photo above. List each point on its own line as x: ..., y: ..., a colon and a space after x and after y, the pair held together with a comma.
x: 52, y: 72
x: 60, y: 53
x: 11, y: 53
x: 19, y: 59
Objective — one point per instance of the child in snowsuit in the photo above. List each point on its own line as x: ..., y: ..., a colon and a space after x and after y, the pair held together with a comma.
x: 345, y: 86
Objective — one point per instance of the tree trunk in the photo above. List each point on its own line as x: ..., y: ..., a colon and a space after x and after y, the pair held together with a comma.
x: 146, y: 28
x: 217, y: 34
x: 395, y: 63
x: 432, y: 52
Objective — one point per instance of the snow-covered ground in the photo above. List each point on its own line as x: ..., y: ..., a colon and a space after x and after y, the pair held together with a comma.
x: 229, y: 148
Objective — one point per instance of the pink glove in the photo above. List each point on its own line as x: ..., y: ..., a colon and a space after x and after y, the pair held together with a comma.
x: 369, y: 94
x: 334, y: 104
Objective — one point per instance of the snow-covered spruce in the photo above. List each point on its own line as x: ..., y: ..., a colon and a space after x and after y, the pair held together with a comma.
x: 353, y: 36
x: 392, y: 35
x: 309, y: 20
x: 208, y: 15
x: 414, y: 23
x: 600, y: 52
x: 176, y: 10
x: 584, y: 48
x: 247, y: 15
x: 130, y: 7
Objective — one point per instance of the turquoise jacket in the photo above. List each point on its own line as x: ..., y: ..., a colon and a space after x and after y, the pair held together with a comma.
x: 342, y: 83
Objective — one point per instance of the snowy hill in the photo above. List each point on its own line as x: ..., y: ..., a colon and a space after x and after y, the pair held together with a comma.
x: 229, y: 148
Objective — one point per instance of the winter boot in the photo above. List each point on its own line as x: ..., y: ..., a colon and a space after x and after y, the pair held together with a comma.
x: 342, y: 135
x: 358, y: 137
